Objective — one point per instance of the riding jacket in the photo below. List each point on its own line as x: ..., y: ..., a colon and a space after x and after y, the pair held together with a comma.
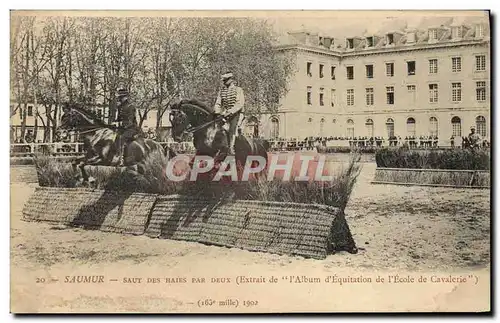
x: 230, y: 100
x: 127, y: 115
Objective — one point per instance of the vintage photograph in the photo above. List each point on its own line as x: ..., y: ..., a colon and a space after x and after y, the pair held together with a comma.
x: 250, y: 161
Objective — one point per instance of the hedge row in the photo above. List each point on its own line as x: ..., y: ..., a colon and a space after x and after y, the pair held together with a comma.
x: 434, y: 159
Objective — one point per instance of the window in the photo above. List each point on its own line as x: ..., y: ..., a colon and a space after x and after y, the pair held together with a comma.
x: 433, y: 93
x: 309, y: 95
x: 322, y: 127
x: 333, y: 98
x: 456, y: 32
x: 410, y: 127
x: 481, y: 91
x: 480, y: 63
x: 332, y: 72
x: 389, y: 69
x: 321, y: 66
x: 99, y: 114
x: 350, y: 72
x: 390, y: 39
x: 456, y: 126
x: 433, y: 66
x: 433, y: 34
x: 410, y: 38
x: 369, y: 127
x: 350, y: 128
x: 350, y: 43
x: 456, y: 64
x: 412, y: 92
x: 309, y: 66
x: 369, y: 42
x: 479, y: 31
x: 369, y: 71
x: 30, y: 110
x: 456, y: 92
x: 481, y: 126
x: 390, y: 127
x: 350, y: 97
x: 321, y: 96
x: 369, y: 96
x: 390, y: 94
x: 411, y: 67
x: 275, y: 128
x: 433, y: 130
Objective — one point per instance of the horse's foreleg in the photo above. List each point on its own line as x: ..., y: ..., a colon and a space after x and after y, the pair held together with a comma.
x: 77, y: 164
x: 92, y: 161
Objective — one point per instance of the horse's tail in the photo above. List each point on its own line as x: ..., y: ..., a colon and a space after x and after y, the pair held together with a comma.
x: 266, y: 144
x: 169, y: 152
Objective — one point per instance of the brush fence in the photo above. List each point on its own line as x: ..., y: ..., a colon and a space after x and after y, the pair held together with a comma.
x: 311, y: 231
x: 433, y: 177
x: 110, y: 211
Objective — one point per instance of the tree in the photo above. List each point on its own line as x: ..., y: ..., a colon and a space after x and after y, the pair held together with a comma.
x: 158, y: 59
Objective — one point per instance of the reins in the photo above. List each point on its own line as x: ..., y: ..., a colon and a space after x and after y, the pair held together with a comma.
x: 203, y: 125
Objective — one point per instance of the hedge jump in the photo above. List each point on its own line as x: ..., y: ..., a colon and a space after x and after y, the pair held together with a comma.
x: 311, y: 231
x: 110, y: 211
x: 454, y: 178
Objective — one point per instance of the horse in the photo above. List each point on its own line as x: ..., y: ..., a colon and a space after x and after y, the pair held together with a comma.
x: 210, y: 138
x: 103, y: 144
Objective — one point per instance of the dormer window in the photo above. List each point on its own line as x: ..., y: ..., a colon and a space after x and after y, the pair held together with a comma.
x: 410, y: 38
x: 321, y: 41
x: 479, y: 31
x: 332, y: 45
x: 390, y: 39
x: 369, y: 41
x: 456, y: 32
x: 350, y: 43
x: 433, y: 34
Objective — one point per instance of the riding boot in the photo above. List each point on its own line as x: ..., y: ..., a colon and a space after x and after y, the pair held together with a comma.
x: 122, y: 158
x: 231, y: 144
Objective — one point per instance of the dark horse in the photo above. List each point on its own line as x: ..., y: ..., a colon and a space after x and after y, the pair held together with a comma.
x: 102, y: 143
x: 209, y: 136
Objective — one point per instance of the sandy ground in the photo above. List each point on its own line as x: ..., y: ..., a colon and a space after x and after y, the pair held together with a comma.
x: 398, y: 229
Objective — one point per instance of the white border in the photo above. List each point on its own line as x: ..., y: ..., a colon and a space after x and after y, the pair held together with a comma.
x: 183, y: 5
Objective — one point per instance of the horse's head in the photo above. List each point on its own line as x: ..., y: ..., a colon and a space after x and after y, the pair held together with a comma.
x: 73, y: 117
x: 179, y: 121
x: 68, y: 122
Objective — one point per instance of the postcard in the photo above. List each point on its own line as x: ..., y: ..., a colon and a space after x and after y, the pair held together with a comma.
x: 250, y: 161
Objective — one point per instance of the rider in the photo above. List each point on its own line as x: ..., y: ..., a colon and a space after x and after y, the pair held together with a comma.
x: 229, y: 104
x: 127, y: 117
x: 474, y: 138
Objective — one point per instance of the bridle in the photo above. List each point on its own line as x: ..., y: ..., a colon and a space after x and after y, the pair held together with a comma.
x: 199, y: 127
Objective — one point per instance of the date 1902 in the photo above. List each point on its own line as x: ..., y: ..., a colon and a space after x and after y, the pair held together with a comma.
x: 230, y: 302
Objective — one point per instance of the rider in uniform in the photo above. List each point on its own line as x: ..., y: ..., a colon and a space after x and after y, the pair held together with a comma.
x: 229, y: 104
x: 127, y: 118
x: 474, y: 138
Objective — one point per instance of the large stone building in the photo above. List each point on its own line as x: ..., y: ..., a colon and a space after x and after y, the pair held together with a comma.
x: 428, y: 79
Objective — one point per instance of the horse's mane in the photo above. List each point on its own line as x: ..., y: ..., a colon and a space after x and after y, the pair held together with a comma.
x: 195, y: 102
x: 91, y: 115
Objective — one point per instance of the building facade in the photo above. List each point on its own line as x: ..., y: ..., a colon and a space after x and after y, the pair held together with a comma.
x: 428, y: 80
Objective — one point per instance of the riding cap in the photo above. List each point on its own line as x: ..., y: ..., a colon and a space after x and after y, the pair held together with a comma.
x: 226, y: 76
